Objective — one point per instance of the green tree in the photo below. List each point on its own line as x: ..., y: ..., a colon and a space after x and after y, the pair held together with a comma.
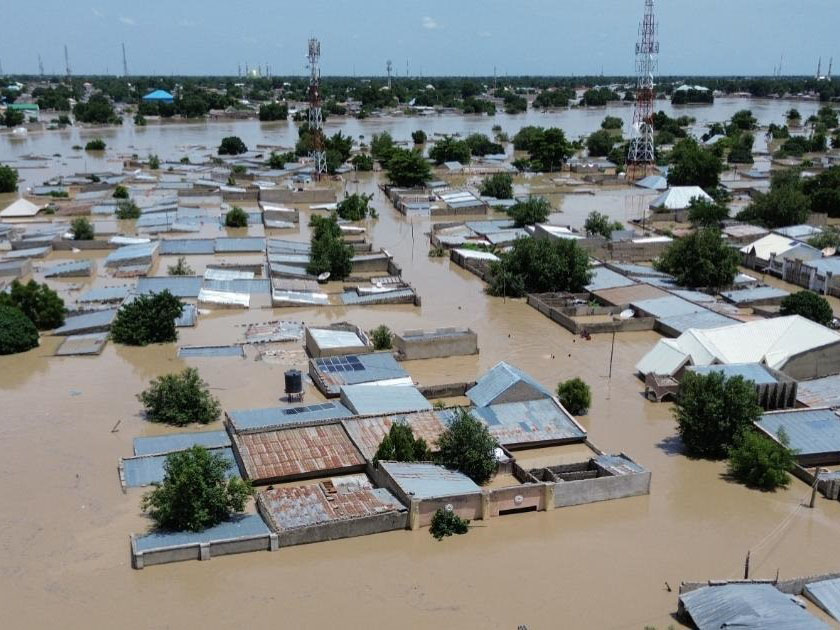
x: 127, y: 209
x: 692, y: 165
x: 793, y: 116
x: 481, y: 145
x: 381, y: 147
x: 551, y: 151
x: 355, y: 207
x: 195, y: 493
x: 154, y: 162
x: 826, y: 238
x: 540, y: 266
x: 744, y: 120
x: 120, y: 192
x: 279, y: 160
x: 759, y: 462
x: 12, y: 118
x: 97, y: 110
x: 575, y: 395
x: 362, y: 162
x: 713, y: 411
x: 236, y: 217
x: 446, y: 523
x: 8, y: 179
x: 407, y: 168
x: 498, y: 185
x: 329, y: 253
x: 400, y: 445
x: 784, y: 204
x: 532, y: 210
x: 598, y: 223
x: 179, y: 399
x: 38, y: 302
x: 467, y: 446
x: 612, y: 122
x: 515, y: 104
x: 180, y: 268
x: 17, y: 332
x: 701, y: 259
x: 600, y: 142
x: 527, y: 138
x: 706, y: 213
x: 418, y: 137
x: 97, y: 144
x: 809, y: 305
x: 741, y: 149
x: 82, y: 229
x: 449, y: 149
x: 232, y: 145
x: 381, y: 337
x: 147, y: 319
x: 273, y: 111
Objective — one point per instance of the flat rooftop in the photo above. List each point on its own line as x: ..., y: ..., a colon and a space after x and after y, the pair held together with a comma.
x: 429, y: 481
x: 810, y: 431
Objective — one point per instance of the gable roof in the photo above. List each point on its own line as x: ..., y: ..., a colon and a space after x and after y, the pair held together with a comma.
x: 20, y: 208
x: 498, y: 380
x: 679, y: 197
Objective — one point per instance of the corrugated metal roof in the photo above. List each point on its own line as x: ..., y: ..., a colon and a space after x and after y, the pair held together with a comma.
x: 179, y: 286
x: 244, y: 419
x: 211, y: 351
x: 95, y: 321
x: 352, y: 297
x: 105, y: 294
x: 754, y: 372
x: 820, y: 392
x: 188, y: 317
x: 758, y: 606
x: 825, y: 265
x: 368, y: 432
x: 224, y: 298
x: 625, y: 295
x: 186, y: 246
x: 353, y: 369
x: 236, y: 527
x: 238, y: 245
x: 798, y: 231
x: 670, y: 306
x: 618, y: 464
x: 499, y: 379
x: 811, y: 431
x: 369, y: 399
x: 145, y: 470
x: 273, y: 331
x: 603, y: 278
x: 782, y: 246
x: 429, y: 481
x: 303, y: 298
x: 240, y: 285
x: 131, y: 254
x: 332, y: 338
x: 639, y: 270
x: 89, y: 344
x: 679, y: 197
x: 157, y: 444
x: 698, y: 320
x: 694, y: 296
x: 745, y: 296
x: 75, y: 268
x: 826, y: 595
x: 531, y: 421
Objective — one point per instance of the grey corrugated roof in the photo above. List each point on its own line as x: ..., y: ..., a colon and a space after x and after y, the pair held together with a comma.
x: 603, y: 278
x: 353, y: 369
x: 188, y: 317
x: 498, y: 380
x: 332, y: 338
x: 670, y: 306
x: 105, y: 294
x: 96, y: 321
x: 810, y: 431
x: 243, y: 419
x: 279, y: 245
x: 700, y: 319
x: 823, y: 265
x: 826, y: 595
x: 639, y: 270
x: 131, y: 254
x: 366, y: 400
x: 429, y: 481
x: 145, y: 470
x: 77, y: 267
x: 239, y: 245
x: 185, y: 246
x: 619, y: 464
x: 754, y: 372
x: 820, y: 392
x: 238, y: 526
x: 745, y: 296
x: 157, y: 444
x: 211, y: 351
x: 758, y: 606
x: 179, y: 286
x: 240, y: 285
x: 351, y: 297
x: 531, y: 421
x: 89, y: 344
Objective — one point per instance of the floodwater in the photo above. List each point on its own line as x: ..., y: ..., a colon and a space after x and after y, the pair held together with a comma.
x: 64, y: 422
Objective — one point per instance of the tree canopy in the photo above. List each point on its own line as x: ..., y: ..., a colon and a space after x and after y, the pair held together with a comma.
x: 274, y: 111
x: 17, y: 332
x: 355, y: 207
x: 147, y: 319
x: 786, y: 203
x: 179, y: 399
x: 407, y: 168
x: 97, y: 109
x: 701, y: 259
x: 540, y: 266
x: 400, y: 445
x: 236, y: 217
x: 8, y: 179
x: 575, y: 395
x: 498, y: 185
x: 532, y: 210
x: 450, y: 149
x: 600, y: 142
x: 692, y: 165
x: 759, y: 462
x: 43, y: 306
x: 809, y: 305
x: 232, y: 145
x: 598, y: 223
x: 467, y: 446
x: 329, y: 253
x: 705, y: 213
x: 82, y: 229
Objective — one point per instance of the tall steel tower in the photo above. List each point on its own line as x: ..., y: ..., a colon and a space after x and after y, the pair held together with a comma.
x: 640, y: 157
x: 40, y: 65
x: 388, y: 67
x: 67, y: 62
x: 125, y: 62
x: 316, y: 120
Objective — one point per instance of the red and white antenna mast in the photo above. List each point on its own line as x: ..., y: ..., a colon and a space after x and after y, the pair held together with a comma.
x: 641, y: 156
x: 316, y: 120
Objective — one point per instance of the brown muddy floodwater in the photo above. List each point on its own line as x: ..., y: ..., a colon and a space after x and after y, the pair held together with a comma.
x: 64, y: 526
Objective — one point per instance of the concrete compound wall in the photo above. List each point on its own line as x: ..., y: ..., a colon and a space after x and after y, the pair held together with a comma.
x: 468, y: 506
x: 601, y: 489
x: 565, y: 316
x: 248, y: 195
x: 532, y: 495
x: 793, y: 586
x: 443, y: 342
x: 312, y: 195
x: 817, y: 363
x: 201, y: 551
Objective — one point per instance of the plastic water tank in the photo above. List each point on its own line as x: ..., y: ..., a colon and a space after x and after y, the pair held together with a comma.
x: 294, y: 382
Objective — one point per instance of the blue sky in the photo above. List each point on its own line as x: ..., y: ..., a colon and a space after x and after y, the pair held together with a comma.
x: 436, y: 37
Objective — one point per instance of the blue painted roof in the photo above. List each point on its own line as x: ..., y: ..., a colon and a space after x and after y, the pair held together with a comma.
x: 603, y: 278
x: 428, y: 481
x: 243, y: 419
x: 188, y: 317
x: 145, y: 470
x: 366, y: 400
x: 531, y: 421
x: 700, y: 319
x: 237, y: 526
x: 240, y: 285
x: 754, y: 372
x: 826, y: 595
x: 159, y: 95
x: 820, y: 392
x: 669, y: 306
x: 131, y: 254
x: 745, y: 296
x: 352, y: 369
x: 105, y: 294
x: 244, y: 244
x: 823, y: 265
x: 157, y: 444
x: 78, y: 324
x: 810, y: 431
x: 498, y: 380
x: 77, y: 266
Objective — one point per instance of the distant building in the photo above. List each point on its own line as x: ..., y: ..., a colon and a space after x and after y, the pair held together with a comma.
x: 159, y: 96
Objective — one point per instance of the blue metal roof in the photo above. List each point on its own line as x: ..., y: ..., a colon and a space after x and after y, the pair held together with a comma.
x: 531, y: 421
x: 498, y: 380
x: 700, y: 319
x: 211, y: 351
x: 823, y: 265
x: 105, y: 294
x: 429, y: 481
x: 745, y: 296
x: 669, y: 306
x: 131, y: 254
x: 639, y: 270
x: 185, y: 246
x: 188, y: 317
x: 95, y: 321
x: 278, y: 245
x: 240, y: 245
x: 159, y: 95
x: 352, y: 297
x: 353, y: 369
x: 820, y: 392
x: 826, y: 595
x: 77, y: 267
x: 755, y: 372
x: 243, y: 419
x: 145, y: 470
x: 810, y: 431
x: 603, y: 278
x: 179, y: 286
x: 158, y: 444
x: 238, y: 526
x: 240, y: 285
x: 366, y: 400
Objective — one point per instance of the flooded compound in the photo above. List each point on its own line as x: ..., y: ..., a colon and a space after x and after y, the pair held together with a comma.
x: 66, y: 421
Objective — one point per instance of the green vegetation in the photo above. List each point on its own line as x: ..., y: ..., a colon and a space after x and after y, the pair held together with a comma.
x: 195, y: 493
x: 740, y: 151
x: 446, y: 523
x: 575, y: 395
x: 467, y: 446
x: 355, y: 207
x: 279, y: 160
x: 232, y: 145
x: 449, y: 149
x: 554, y: 98
x: 54, y: 98
x: 120, y: 192
x: 329, y: 252
x: 98, y: 110
x: 598, y: 223
x: 478, y: 106
x: 44, y: 308
x: 407, y: 168
x: 498, y: 185
x: 701, y: 260
x: 786, y: 203
x: 179, y: 399
x: 381, y: 147
x: 418, y: 137
x: 713, y: 411
x: 829, y: 237
x: 532, y: 210
x: 274, y: 111
x: 180, y: 268
x: 759, y: 462
x: 692, y: 165
x: 97, y: 144
x: 809, y: 305
x: 8, y: 179
x: 82, y: 229
x: 824, y: 191
x: 515, y: 104
x: 17, y: 332
x: 13, y: 118
x: 612, y: 122
x: 600, y: 143
x: 147, y: 319
x: 236, y: 217
x: 140, y: 120
x: 599, y: 97
x: 705, y: 213
x: 362, y: 162
x: 400, y: 445
x: 481, y: 145
x: 683, y: 97
x: 539, y: 266
x: 548, y: 148
x: 381, y: 337
x: 154, y: 162
x: 127, y: 209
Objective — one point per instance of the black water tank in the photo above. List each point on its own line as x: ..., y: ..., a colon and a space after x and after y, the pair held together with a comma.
x: 294, y: 382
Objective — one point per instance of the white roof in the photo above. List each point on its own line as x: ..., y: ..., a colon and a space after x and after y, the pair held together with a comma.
x: 767, y: 246
x: 20, y: 208
x: 772, y: 342
x: 679, y: 197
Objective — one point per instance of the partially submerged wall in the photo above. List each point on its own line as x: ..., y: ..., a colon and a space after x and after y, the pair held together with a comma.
x: 592, y: 319
x: 284, y: 195
x: 432, y: 344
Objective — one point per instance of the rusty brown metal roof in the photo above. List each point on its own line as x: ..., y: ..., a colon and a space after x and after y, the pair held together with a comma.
x: 367, y: 433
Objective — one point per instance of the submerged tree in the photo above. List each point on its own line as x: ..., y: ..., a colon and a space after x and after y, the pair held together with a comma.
x: 17, y: 332
x: 179, y: 399
x: 498, y: 185
x: 147, y: 319
x: 38, y: 302
x: 232, y: 145
x: 529, y: 212
x: 809, y: 305
x: 701, y: 259
x: 82, y: 229
x: 407, y: 168
x: 355, y: 207
x: 180, y: 268
x: 446, y: 523
x: 467, y: 446
x: 236, y: 217
x: 598, y: 223
x: 759, y: 462
x: 575, y: 395
x: 539, y: 266
x: 400, y: 445
x: 381, y: 337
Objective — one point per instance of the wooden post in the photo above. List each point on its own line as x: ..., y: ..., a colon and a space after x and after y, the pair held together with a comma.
x: 747, y: 567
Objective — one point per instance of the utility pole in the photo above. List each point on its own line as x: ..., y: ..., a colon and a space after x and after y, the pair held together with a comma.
x: 316, y: 120
x: 67, y: 62
x: 388, y: 67
x: 40, y: 65
x: 640, y: 157
x: 125, y: 63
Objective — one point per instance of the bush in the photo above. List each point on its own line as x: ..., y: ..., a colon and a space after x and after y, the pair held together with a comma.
x: 44, y: 308
x: 382, y: 146
x: 179, y: 399
x: 17, y: 332
x: 140, y: 120
x: 97, y: 144
x: 701, y: 259
x: 406, y: 168
x: 498, y: 185
x: 785, y: 204
x: 533, y: 210
x: 82, y: 229
x: 400, y: 445
x: 706, y: 213
x: 279, y: 160
x: 180, y: 268
x: 575, y: 396
x: 419, y: 136
x: 154, y: 162
x: 236, y: 218
x: 612, y: 122
x: 446, y: 523
x: 274, y: 111
x: 329, y: 252
x: 600, y: 142
x: 127, y: 210
x: 759, y: 462
x: 12, y: 118
x: 381, y: 337
x: 597, y: 223
x: 449, y: 149
x: 539, y: 266
x: 362, y: 162
x: 120, y: 192
x: 355, y: 207
x: 98, y: 110
x: 195, y: 493
x: 232, y: 145
x: 8, y: 179
x: 809, y: 305
x: 713, y: 411
x: 692, y: 165
x: 480, y: 145
x: 467, y: 446
x: 147, y: 319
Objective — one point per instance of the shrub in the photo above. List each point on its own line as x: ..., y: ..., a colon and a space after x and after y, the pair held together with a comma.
x: 406, y: 168
x: 195, y: 493
x: 82, y: 229
x: 139, y: 120
x: 600, y: 142
x: 147, y: 319
x: 362, y: 162
x: 120, y: 192
x: 539, y: 266
x: 381, y: 337
x: 274, y: 111
x: 701, y: 259
x: 597, y: 223
x: 400, y: 445
x: 712, y: 411
x: 179, y: 399
x: 467, y: 446
x: 575, y: 395
x: 154, y: 162
x: 419, y: 136
x: 449, y: 149
x: 446, y: 523
x: 44, y: 308
x: 612, y: 122
x: 381, y: 146
x: 329, y: 253
x: 97, y: 144
x: 236, y: 218
x: 180, y: 268
x: 127, y: 210
x: 17, y: 332
x: 759, y: 462
x: 706, y: 213
x: 232, y: 145
x: 355, y: 207
x: 809, y: 305
x: 279, y: 160
x: 498, y: 185
x: 8, y: 179
x: 531, y: 211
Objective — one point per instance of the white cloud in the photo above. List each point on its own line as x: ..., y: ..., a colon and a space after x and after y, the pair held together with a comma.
x: 97, y: 12
x: 430, y: 23
x: 128, y: 20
